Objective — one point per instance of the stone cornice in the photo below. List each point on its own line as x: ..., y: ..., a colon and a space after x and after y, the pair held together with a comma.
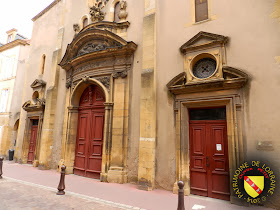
x: 72, y: 58
x: 45, y: 10
x: 14, y: 44
x: 107, y: 25
x: 212, y: 40
x: 234, y: 79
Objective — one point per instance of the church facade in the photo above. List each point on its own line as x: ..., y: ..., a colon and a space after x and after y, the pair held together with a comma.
x: 152, y: 92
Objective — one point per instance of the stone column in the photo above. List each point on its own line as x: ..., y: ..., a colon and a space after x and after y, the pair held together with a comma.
x: 107, y: 141
x: 147, y: 143
x: 117, y: 171
x: 69, y: 140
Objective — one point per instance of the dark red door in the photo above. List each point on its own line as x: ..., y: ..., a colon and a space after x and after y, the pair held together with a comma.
x: 89, y: 145
x: 32, y: 144
x: 209, y: 170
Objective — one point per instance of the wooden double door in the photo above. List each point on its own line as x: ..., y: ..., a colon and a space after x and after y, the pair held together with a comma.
x: 209, y: 167
x: 88, y: 156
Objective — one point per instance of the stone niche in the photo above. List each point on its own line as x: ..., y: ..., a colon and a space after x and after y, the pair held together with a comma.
x: 207, y: 82
x: 100, y: 57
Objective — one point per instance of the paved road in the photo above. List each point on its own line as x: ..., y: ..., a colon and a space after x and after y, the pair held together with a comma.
x: 15, y: 195
x: 88, y: 193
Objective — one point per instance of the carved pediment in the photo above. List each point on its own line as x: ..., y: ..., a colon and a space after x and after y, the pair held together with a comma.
x: 92, y: 43
x: 29, y: 106
x: 233, y: 78
x: 38, y: 83
x: 180, y: 79
x: 26, y: 104
x: 97, y: 45
x: 233, y: 73
x: 203, y: 39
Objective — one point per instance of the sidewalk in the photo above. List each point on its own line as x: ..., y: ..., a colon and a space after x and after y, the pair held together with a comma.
x: 116, y: 194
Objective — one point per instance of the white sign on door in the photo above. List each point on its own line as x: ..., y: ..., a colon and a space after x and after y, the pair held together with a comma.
x: 218, y: 147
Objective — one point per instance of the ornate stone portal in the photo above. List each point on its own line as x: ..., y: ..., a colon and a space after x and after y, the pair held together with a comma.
x: 35, y: 111
x: 201, y: 85
x: 100, y: 57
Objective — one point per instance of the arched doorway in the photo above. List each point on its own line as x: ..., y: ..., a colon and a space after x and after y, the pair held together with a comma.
x: 88, y: 154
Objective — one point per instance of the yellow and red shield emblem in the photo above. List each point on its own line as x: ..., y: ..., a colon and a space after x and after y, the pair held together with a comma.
x: 254, y: 185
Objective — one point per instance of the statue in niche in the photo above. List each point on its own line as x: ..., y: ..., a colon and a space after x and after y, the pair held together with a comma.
x: 96, y: 14
x: 123, y: 13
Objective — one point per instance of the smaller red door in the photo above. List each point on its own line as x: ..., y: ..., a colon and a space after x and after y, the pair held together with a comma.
x: 32, y: 144
x: 209, y: 167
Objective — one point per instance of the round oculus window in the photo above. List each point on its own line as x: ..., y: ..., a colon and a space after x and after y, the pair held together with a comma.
x: 204, y: 68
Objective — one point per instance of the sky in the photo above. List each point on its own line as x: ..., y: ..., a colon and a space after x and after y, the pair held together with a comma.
x: 18, y: 14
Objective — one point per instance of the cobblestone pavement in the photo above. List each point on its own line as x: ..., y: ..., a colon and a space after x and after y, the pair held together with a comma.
x: 15, y: 195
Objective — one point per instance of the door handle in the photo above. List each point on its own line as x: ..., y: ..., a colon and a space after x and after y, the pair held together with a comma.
x: 207, y: 161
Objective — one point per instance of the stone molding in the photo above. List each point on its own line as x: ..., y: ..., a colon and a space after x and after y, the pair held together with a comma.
x: 233, y: 79
x: 39, y: 106
x: 38, y: 83
x: 210, y: 40
x: 107, y: 25
x: 83, y: 58
x: 121, y: 74
x: 72, y: 58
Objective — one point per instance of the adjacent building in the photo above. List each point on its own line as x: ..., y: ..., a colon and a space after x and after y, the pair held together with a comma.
x: 13, y: 57
x: 152, y: 92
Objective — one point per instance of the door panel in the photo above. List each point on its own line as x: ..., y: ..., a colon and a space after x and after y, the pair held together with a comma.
x: 198, y: 159
x: 219, y: 187
x: 32, y: 144
x: 209, y: 171
x: 81, y: 145
x: 96, y: 142
x: 88, y: 158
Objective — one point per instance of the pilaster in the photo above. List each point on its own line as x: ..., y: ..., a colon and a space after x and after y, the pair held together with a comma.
x: 147, y: 141
x: 117, y: 171
x: 50, y: 107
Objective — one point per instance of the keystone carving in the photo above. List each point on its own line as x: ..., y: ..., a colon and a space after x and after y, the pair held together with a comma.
x: 123, y: 13
x: 86, y: 79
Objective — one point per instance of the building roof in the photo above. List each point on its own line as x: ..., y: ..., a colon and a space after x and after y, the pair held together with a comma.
x: 14, y: 43
x: 45, y: 10
x: 19, y: 36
